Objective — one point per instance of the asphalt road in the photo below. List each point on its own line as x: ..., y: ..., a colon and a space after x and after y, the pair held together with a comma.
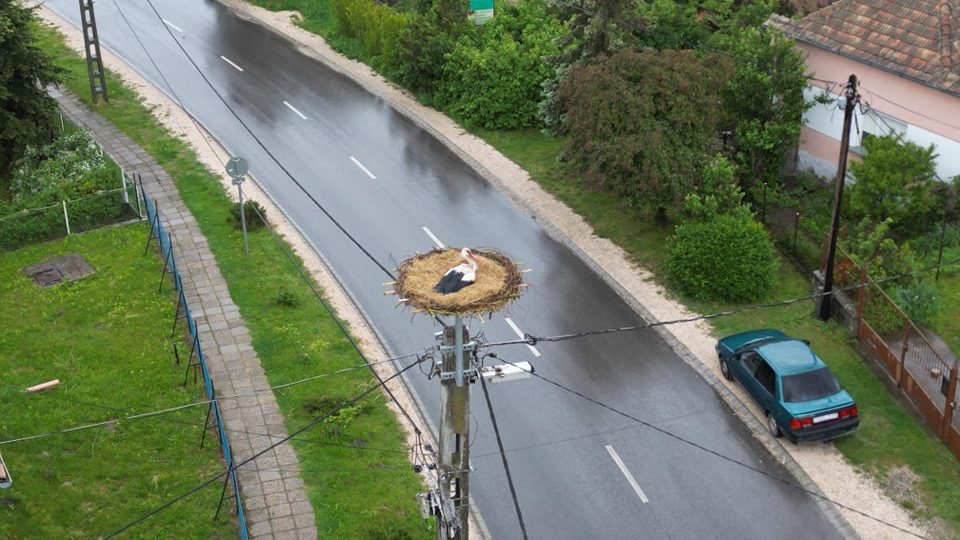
x: 386, y: 180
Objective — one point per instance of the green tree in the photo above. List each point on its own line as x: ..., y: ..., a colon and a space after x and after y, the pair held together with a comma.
x: 643, y: 124
x: 595, y: 28
x: 764, y: 100
x: 895, y: 181
x: 27, y: 113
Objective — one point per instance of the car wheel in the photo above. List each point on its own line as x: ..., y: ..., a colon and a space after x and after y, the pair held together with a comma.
x: 725, y: 369
x: 772, y: 426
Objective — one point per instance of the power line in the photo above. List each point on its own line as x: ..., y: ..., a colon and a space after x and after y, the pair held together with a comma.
x: 529, y: 339
x: 268, y: 152
x: 503, y: 457
x: 183, y: 406
x: 711, y: 451
x: 286, y: 251
x: 232, y: 467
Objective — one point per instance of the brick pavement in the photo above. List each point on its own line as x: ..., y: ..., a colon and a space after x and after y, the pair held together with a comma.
x: 274, y: 498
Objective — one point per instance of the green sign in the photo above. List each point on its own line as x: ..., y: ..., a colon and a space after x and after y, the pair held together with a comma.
x: 481, y: 11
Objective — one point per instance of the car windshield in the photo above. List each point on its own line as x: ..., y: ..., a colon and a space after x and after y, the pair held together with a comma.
x: 811, y: 385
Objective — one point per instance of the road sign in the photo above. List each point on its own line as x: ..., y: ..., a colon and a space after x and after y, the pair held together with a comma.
x: 237, y: 167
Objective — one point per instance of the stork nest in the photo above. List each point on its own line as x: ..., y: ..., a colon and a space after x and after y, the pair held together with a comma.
x: 498, y: 283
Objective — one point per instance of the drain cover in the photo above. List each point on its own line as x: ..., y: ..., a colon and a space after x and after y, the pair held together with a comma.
x: 69, y: 267
x: 48, y: 277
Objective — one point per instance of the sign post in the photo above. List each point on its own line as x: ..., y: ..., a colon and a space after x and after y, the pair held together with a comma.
x: 237, y: 167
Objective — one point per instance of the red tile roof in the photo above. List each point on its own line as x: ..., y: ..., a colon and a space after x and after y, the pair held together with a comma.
x: 919, y: 39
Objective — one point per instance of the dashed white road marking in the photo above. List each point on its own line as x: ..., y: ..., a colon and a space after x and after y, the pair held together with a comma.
x: 294, y: 109
x: 175, y: 27
x: 516, y: 329
x: 364, y: 169
x: 433, y: 237
x: 227, y: 60
x: 626, y: 472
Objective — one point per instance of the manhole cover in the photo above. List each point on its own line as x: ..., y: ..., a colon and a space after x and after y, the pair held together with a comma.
x: 69, y: 267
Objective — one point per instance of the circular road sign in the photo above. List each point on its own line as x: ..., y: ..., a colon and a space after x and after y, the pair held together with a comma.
x: 237, y: 167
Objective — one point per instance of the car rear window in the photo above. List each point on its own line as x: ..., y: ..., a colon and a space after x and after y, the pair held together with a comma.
x: 811, y: 385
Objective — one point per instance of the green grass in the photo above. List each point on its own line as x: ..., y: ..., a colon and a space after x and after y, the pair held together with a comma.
x: 356, y: 468
x: 107, y: 338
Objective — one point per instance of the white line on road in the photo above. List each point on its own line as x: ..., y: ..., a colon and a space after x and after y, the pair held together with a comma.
x: 171, y: 25
x: 520, y: 335
x: 227, y: 60
x: 626, y: 472
x: 294, y: 109
x: 433, y: 237
x: 370, y: 174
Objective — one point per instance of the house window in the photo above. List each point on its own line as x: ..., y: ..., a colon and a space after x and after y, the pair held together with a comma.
x: 874, y: 124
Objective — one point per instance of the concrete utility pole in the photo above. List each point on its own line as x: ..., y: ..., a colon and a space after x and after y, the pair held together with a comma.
x: 852, y: 99
x: 91, y: 46
x: 454, y: 441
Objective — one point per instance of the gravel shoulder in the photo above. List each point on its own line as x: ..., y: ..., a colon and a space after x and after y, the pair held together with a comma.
x: 825, y: 468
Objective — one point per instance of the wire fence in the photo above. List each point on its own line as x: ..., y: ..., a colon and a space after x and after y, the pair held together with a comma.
x: 71, y: 216
x: 196, y: 361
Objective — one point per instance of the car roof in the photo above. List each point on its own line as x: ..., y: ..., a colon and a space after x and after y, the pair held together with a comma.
x: 790, y: 356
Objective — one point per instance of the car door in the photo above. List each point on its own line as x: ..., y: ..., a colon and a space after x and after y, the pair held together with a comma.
x: 749, y: 360
x: 766, y: 379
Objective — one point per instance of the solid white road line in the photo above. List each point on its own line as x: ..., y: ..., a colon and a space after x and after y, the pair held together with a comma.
x: 433, y: 237
x: 370, y: 174
x: 294, y: 109
x: 520, y: 335
x: 227, y: 60
x: 171, y: 25
x: 626, y: 472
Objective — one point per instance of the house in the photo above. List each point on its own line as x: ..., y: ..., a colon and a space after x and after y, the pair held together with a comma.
x: 906, y: 55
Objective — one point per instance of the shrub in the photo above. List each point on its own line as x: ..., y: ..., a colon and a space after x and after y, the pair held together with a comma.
x: 375, y: 25
x: 253, y: 213
x: 68, y: 167
x: 287, y: 298
x: 882, y: 316
x: 421, y: 48
x: 729, y: 258
x: 919, y: 301
x: 493, y: 76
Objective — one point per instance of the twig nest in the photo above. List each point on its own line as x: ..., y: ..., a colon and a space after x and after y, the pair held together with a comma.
x: 498, y: 282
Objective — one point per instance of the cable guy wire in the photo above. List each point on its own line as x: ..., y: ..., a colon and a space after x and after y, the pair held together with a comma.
x: 158, y: 412
x: 529, y: 339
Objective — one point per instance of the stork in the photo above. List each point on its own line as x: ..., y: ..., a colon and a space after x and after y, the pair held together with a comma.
x: 459, y: 276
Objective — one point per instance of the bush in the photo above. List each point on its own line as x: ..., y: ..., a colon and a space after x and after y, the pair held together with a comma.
x: 729, y: 258
x: 252, y: 211
x: 70, y: 166
x: 919, y: 301
x: 375, y: 25
x: 882, y: 316
x: 493, y: 77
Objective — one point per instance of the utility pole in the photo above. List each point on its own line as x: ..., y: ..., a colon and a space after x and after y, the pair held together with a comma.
x: 454, y: 440
x: 91, y: 46
x: 852, y: 99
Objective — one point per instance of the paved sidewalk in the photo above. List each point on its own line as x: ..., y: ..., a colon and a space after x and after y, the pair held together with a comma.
x: 273, y: 493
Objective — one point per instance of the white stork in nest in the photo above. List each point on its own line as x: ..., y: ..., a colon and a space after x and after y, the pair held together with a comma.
x: 459, y: 276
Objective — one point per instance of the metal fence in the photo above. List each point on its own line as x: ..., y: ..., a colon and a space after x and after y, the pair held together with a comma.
x: 906, y: 353
x: 196, y: 360
x: 30, y: 225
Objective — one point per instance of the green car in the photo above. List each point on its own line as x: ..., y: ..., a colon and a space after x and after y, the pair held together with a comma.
x: 798, y: 393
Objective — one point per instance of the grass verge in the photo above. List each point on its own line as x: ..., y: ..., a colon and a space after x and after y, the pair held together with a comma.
x: 355, y: 465
x: 107, y: 338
